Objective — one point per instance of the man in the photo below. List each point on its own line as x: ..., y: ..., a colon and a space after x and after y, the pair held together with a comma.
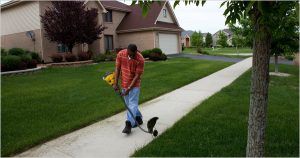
x: 131, y: 65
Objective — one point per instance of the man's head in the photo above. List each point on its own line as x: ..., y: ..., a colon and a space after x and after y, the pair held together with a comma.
x: 131, y: 49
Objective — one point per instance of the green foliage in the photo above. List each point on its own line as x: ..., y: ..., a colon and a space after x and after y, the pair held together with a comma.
x: 3, y: 52
x: 99, y: 57
x: 11, y: 62
x: 26, y: 58
x: 157, y: 50
x: 197, y: 39
x: 208, y: 40
x: 222, y: 39
x: 155, y: 56
x: 146, y: 53
x: 16, y: 51
x: 35, y: 56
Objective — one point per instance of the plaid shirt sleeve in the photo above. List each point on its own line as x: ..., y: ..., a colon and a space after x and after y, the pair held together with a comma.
x: 118, y: 61
x: 140, y: 67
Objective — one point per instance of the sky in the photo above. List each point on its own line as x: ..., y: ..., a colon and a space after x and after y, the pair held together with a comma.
x: 208, y: 18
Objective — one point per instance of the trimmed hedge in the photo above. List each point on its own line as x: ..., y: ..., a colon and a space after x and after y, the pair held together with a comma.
x: 57, y: 58
x: 154, y: 54
x: 18, y: 59
x: 98, y: 58
x: 10, y: 63
x: 70, y: 57
x: 83, y: 56
x: 16, y: 51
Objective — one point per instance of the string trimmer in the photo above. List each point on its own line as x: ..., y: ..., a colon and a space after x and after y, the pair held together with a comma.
x: 110, y: 78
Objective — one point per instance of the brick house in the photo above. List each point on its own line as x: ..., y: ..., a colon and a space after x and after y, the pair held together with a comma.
x: 125, y: 24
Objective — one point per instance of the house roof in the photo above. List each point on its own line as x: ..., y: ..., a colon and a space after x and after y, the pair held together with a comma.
x: 135, y: 21
x: 10, y: 4
x: 228, y: 31
x: 187, y: 32
x: 115, y: 5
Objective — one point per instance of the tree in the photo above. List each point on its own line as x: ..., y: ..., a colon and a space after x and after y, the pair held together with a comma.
x: 286, y: 36
x: 243, y: 31
x: 222, y: 39
x: 263, y: 16
x: 69, y: 23
x: 208, y: 40
x: 197, y: 39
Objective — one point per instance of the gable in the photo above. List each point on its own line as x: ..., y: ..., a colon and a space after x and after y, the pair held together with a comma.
x: 167, y: 17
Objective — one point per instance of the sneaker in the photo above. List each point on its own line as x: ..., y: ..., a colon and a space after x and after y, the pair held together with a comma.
x: 127, y: 128
x: 139, y: 120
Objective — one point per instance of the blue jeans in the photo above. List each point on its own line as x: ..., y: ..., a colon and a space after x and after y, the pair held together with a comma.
x: 132, y: 101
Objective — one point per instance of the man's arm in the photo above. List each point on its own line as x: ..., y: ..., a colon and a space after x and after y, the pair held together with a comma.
x: 117, y: 76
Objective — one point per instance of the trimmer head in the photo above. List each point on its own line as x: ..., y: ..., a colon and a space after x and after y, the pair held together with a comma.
x: 150, y: 125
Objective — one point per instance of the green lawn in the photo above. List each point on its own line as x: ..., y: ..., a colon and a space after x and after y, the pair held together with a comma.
x: 218, y: 127
x: 52, y: 102
x: 220, y: 51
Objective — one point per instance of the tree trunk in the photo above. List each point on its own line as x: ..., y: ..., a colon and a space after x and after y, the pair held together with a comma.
x: 259, y: 91
x: 70, y: 47
x: 276, y: 63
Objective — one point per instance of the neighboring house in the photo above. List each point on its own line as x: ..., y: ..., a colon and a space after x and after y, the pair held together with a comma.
x: 125, y: 24
x: 186, y: 38
x: 227, y: 32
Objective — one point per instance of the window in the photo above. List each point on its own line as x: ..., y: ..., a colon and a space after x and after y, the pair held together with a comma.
x: 108, y: 16
x: 165, y: 12
x: 108, y: 42
x: 61, y: 48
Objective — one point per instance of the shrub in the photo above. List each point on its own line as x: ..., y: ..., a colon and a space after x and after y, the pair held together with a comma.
x: 289, y: 57
x: 70, y: 57
x: 205, y: 52
x: 154, y: 56
x: 35, y: 56
x: 3, y: 52
x: 57, y: 58
x: 163, y: 57
x: 90, y: 54
x: 83, y: 56
x: 26, y: 58
x: 98, y: 58
x: 199, y: 50
x: 182, y: 48
x: 22, y: 65
x: 156, y: 50
x: 32, y: 63
x: 111, y: 57
x: 146, y: 53
x: 16, y: 51
x: 11, y: 62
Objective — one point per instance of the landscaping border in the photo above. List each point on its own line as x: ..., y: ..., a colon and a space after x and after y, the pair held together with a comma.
x: 21, y: 71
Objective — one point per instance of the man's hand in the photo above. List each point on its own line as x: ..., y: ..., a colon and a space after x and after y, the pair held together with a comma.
x: 126, y: 92
x: 115, y: 87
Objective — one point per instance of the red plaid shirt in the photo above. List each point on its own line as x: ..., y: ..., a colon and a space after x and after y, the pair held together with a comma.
x: 129, y: 67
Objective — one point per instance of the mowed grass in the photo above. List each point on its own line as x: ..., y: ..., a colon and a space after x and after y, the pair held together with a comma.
x: 52, y: 102
x: 221, y: 51
x: 218, y: 127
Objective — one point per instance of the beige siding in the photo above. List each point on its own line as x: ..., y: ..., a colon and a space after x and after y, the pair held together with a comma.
x: 20, y: 40
x: 167, y: 19
x: 21, y: 18
x: 143, y: 40
x: 111, y: 28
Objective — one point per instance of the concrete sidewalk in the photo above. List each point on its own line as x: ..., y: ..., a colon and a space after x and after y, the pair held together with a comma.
x: 104, y: 138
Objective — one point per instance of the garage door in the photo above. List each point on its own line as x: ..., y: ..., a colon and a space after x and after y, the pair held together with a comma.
x: 168, y: 43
